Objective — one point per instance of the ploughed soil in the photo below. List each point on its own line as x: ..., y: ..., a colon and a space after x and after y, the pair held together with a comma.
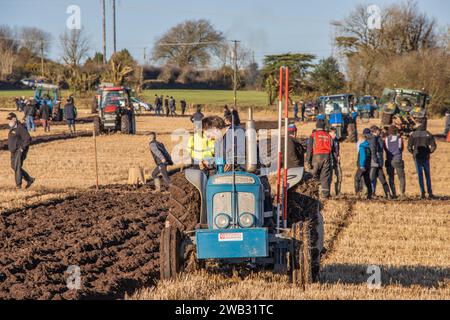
x: 111, y: 235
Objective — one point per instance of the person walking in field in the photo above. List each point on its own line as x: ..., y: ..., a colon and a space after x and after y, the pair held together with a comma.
x: 162, y: 159
x: 18, y: 144
x: 363, y: 165
x: 29, y: 112
x: 70, y: 114
x: 421, y: 145
x: 318, y: 157
x: 45, y: 116
x: 393, y: 146
x: 336, y: 162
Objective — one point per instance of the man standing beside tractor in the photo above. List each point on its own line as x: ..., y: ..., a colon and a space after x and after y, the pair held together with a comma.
x: 70, y: 114
x: 45, y: 116
x: 18, y: 144
x: 29, y: 112
x: 318, y: 157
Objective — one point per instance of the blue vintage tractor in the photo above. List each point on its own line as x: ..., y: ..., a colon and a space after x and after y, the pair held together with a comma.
x: 367, y: 108
x: 338, y: 111
x: 48, y: 93
x: 237, y: 223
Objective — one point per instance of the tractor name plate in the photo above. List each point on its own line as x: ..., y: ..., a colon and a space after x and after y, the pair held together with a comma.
x: 237, y: 236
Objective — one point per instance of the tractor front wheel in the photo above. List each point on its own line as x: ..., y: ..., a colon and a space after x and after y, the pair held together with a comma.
x: 176, y: 253
x: 170, y: 256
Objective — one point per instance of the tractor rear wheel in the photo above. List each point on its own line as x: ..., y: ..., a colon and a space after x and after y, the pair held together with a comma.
x: 300, y: 262
x: 97, y: 126
x: 304, y: 206
x: 184, y: 204
x: 125, y: 125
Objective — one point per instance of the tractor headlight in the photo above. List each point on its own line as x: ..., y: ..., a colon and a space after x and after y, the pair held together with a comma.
x: 222, y: 221
x: 246, y: 220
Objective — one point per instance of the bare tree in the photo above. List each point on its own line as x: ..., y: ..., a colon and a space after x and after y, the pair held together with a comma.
x: 75, y: 47
x: 404, y: 29
x: 8, y: 49
x: 190, y: 43
x: 36, y: 40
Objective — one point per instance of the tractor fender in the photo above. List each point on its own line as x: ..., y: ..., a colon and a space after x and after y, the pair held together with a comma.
x: 295, y: 175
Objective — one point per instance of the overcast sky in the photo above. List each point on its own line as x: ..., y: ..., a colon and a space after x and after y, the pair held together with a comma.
x: 266, y: 26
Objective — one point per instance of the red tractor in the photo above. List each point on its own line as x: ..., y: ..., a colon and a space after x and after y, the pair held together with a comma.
x: 115, y: 110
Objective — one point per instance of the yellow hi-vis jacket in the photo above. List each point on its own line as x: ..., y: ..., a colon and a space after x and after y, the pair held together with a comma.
x: 200, y: 148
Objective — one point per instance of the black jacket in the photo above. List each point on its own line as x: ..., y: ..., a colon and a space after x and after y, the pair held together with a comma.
x: 18, y: 138
x: 376, y: 150
x: 70, y: 112
x: 421, y: 144
x: 160, y: 153
x: 296, y: 154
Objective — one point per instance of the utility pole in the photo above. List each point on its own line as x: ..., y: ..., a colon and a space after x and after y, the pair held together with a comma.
x: 114, y: 25
x: 104, y: 31
x: 42, y: 58
x: 235, y: 67
x: 145, y: 55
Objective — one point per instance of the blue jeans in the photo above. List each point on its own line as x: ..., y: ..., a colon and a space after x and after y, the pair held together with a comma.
x: 424, y: 166
x: 30, y: 123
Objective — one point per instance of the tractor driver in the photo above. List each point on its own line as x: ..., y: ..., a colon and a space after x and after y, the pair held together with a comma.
x: 201, y: 145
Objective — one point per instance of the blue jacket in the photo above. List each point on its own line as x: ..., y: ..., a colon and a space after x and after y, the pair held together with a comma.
x: 364, y: 155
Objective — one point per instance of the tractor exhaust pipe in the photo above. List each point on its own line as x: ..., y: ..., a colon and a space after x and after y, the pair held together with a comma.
x: 251, y: 158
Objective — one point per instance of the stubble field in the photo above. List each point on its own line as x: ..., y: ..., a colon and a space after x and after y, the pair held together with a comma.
x: 408, y: 240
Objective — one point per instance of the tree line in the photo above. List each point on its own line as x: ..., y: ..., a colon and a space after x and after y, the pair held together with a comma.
x: 408, y: 49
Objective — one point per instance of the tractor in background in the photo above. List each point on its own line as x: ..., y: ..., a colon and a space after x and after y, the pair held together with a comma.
x: 237, y: 222
x: 311, y: 111
x: 404, y: 108
x: 338, y: 111
x: 49, y: 93
x: 367, y: 108
x: 115, y: 110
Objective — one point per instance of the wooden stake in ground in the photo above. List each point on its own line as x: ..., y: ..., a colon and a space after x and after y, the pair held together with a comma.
x: 95, y: 159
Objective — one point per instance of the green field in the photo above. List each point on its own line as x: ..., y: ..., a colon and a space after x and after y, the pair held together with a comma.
x: 211, y: 98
